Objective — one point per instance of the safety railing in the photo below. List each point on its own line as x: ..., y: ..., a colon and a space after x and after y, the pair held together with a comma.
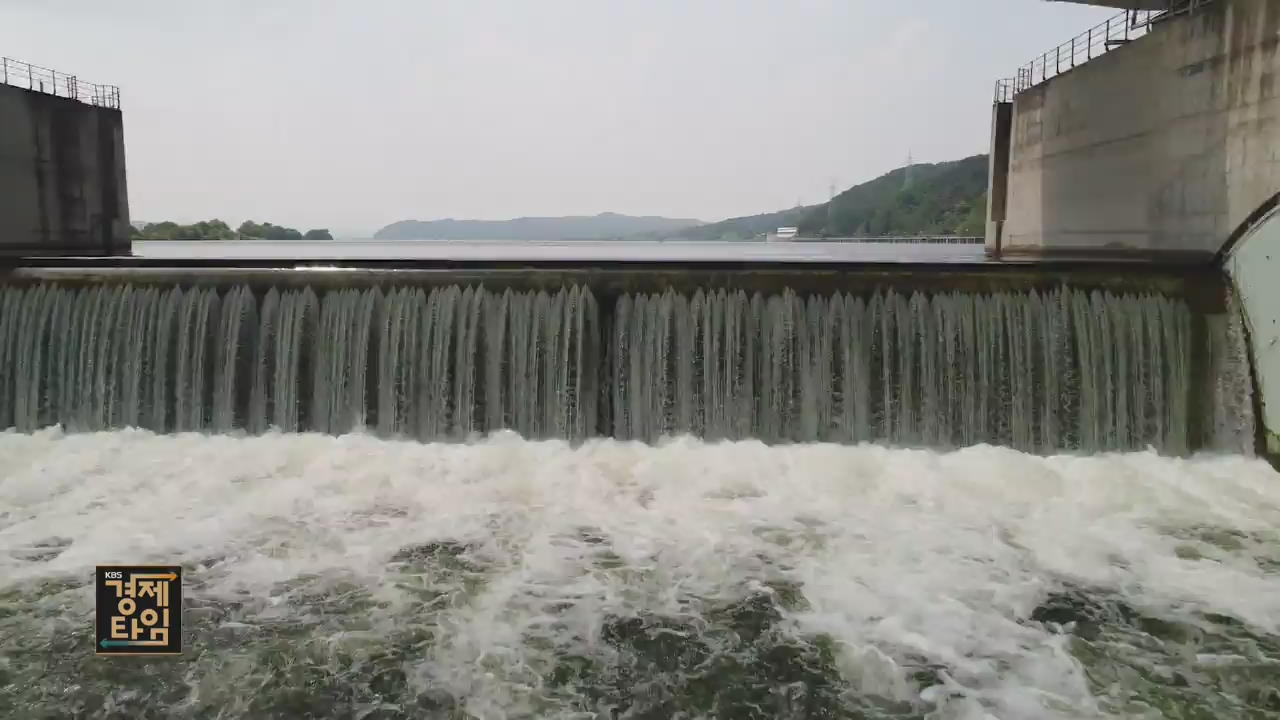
x: 900, y: 239
x: 1094, y: 42
x: 47, y: 80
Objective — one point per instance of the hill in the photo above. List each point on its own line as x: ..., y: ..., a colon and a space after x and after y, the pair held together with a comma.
x: 941, y: 199
x: 948, y: 198
x: 741, y: 228
x: 597, y: 227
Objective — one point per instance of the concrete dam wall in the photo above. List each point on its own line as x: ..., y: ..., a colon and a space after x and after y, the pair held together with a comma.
x: 62, y: 176
x: 1164, y: 147
x: 1041, y: 362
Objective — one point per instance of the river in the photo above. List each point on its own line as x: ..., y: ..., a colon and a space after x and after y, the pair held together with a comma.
x: 568, y: 250
x: 354, y: 576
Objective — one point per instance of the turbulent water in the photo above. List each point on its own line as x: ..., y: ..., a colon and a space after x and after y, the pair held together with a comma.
x: 453, y: 502
x: 351, y: 576
x: 1039, y: 371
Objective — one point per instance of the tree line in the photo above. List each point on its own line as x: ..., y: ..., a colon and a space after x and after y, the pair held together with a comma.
x: 219, y: 230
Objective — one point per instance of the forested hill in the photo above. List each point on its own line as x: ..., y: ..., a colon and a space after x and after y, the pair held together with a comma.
x: 943, y: 198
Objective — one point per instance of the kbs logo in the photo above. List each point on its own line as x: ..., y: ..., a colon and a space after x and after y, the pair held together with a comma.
x: 139, y: 610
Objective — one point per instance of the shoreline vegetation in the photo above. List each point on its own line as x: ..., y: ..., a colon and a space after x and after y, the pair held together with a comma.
x: 218, y: 230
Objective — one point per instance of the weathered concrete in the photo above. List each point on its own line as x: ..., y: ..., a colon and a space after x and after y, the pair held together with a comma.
x: 1166, y: 146
x: 1254, y: 266
x: 998, y: 174
x: 62, y: 177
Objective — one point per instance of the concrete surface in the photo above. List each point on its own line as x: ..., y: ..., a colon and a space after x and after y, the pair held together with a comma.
x: 1254, y: 266
x: 998, y: 175
x: 62, y: 177
x: 1165, y: 146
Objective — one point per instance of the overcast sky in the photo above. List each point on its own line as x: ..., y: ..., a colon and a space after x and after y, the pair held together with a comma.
x: 351, y: 115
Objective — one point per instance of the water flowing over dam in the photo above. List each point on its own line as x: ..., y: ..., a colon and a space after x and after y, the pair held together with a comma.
x: 1037, y: 370
x: 725, y: 471
x: 743, y: 493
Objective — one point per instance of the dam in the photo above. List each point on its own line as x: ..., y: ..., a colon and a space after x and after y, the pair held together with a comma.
x: 1079, y: 325
x: 1037, y: 363
x: 1047, y: 339
x: 1024, y: 478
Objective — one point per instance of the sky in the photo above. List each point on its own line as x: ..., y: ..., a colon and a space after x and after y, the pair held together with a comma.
x: 352, y: 115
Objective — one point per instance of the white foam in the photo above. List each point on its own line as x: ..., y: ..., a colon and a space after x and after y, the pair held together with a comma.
x: 904, y: 556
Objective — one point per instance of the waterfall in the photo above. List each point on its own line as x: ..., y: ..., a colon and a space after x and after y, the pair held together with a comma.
x: 1062, y: 369
x: 1059, y: 370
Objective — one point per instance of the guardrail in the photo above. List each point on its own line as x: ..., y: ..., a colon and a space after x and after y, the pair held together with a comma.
x: 47, y: 80
x: 1094, y: 42
x: 898, y: 240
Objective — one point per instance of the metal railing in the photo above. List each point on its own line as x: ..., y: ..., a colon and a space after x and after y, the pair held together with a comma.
x: 1098, y: 40
x: 47, y: 80
x: 898, y: 239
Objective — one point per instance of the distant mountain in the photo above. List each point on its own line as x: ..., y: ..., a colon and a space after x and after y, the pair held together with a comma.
x: 948, y: 198
x: 605, y: 226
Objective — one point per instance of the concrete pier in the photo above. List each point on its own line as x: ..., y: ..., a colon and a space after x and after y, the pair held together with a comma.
x: 62, y: 168
x: 1166, y: 145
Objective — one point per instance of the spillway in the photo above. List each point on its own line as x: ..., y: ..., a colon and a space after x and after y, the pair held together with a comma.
x: 1041, y: 363
x: 569, y: 490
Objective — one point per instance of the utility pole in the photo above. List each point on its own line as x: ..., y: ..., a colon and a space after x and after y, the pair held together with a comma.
x: 906, y: 185
x: 831, y: 207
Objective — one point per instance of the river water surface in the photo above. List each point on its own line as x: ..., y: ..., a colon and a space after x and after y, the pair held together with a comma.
x: 353, y: 576
x: 905, y: 251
